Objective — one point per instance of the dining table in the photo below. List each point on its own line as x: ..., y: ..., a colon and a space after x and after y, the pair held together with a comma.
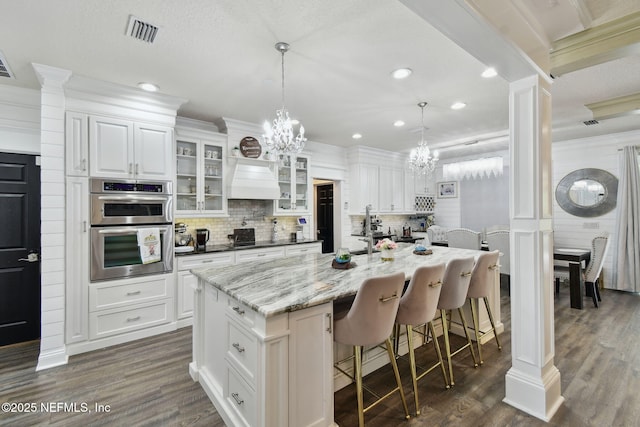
x: 575, y: 257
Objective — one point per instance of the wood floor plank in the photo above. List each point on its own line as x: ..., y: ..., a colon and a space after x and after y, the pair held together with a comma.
x: 147, y: 383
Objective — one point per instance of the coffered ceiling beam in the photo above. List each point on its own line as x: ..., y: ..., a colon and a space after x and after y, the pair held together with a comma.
x: 616, y: 107
x: 606, y: 42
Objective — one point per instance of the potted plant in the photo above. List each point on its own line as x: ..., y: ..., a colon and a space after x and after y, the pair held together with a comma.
x: 386, y: 248
x: 236, y: 151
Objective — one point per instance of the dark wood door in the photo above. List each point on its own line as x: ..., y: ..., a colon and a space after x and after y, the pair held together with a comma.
x: 324, y: 214
x: 19, y: 248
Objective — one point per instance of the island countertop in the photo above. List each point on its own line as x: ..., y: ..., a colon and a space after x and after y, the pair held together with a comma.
x: 293, y: 283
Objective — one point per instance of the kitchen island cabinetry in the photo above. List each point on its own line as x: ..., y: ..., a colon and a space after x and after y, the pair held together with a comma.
x: 129, y: 150
x: 268, y: 360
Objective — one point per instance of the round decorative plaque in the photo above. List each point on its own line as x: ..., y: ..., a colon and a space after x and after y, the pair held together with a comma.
x: 250, y: 147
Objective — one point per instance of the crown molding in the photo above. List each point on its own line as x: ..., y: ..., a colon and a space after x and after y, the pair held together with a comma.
x: 616, y: 107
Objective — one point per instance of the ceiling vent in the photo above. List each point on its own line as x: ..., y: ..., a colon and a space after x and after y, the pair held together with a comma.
x: 138, y: 29
x: 5, y: 71
x: 590, y: 122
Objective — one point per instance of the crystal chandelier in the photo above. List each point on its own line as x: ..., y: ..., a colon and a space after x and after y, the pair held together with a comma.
x: 420, y: 160
x: 278, y: 137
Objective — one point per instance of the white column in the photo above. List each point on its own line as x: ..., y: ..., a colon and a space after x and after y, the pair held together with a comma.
x: 52, y: 211
x: 533, y: 382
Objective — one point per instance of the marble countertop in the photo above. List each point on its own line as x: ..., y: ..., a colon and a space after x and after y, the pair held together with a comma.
x: 292, y: 283
x: 257, y: 245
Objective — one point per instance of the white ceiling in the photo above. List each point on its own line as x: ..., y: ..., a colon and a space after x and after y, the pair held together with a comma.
x: 220, y: 56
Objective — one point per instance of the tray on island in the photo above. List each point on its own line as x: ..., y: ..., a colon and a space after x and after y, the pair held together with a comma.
x: 427, y: 252
x: 342, y: 266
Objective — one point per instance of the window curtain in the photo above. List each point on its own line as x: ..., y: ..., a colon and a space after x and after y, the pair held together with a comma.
x: 626, y: 256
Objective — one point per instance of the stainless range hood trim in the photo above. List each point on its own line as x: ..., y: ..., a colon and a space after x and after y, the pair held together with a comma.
x: 253, y: 179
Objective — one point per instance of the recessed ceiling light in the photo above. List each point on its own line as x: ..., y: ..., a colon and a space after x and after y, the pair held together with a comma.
x: 489, y: 72
x: 398, y: 123
x: 401, y: 73
x: 458, y: 105
x: 149, y: 87
x: 356, y: 136
x: 295, y: 121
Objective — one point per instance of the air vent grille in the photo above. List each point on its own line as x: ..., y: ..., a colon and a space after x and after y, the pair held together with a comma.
x: 140, y: 30
x: 5, y: 71
x: 590, y: 122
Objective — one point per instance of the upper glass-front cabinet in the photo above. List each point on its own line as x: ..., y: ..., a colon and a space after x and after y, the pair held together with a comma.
x: 295, y: 185
x: 199, y: 177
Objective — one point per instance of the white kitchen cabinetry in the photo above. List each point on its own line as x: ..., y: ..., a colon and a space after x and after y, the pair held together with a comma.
x: 259, y: 254
x: 391, y: 190
x: 261, y: 371
x: 200, y: 172
x: 187, y: 282
x: 77, y: 144
x: 124, y: 149
x: 120, y: 306
x: 303, y: 249
x: 295, y: 186
x: 77, y: 260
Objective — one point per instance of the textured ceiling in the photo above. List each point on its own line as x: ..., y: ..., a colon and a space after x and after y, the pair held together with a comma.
x: 220, y: 56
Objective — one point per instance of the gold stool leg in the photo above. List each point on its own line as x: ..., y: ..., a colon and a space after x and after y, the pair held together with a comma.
x: 412, y: 362
x: 439, y: 353
x: 466, y: 332
x: 493, y: 325
x: 397, y: 374
x: 476, y: 326
x: 358, y: 374
x: 447, y: 346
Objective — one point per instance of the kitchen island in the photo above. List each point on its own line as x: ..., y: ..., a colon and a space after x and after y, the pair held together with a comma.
x: 263, y: 347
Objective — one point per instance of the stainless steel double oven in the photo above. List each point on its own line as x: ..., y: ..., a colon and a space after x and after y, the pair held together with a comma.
x: 119, y: 210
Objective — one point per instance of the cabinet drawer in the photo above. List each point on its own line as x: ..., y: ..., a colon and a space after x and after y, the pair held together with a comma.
x: 310, y: 248
x: 187, y: 262
x: 239, y: 312
x: 259, y: 254
x: 117, y: 321
x: 241, y: 398
x: 242, y: 349
x: 110, y: 295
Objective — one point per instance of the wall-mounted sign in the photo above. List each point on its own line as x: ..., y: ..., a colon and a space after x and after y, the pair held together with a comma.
x: 250, y: 147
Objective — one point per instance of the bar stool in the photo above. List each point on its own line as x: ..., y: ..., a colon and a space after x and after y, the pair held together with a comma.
x: 418, y: 306
x: 370, y: 321
x: 453, y: 296
x: 482, y: 278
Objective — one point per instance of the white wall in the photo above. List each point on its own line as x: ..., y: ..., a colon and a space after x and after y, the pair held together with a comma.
x: 19, y: 120
x: 597, y: 152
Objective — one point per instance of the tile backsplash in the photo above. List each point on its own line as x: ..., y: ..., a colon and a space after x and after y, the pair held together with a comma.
x: 242, y: 214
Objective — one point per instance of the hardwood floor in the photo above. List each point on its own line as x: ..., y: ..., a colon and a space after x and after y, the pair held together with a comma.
x: 146, y: 382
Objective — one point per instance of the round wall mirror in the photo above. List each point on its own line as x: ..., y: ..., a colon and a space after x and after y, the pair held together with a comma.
x: 587, y: 192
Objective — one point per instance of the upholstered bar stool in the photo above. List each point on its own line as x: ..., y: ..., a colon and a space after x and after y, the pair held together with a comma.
x: 453, y: 295
x: 482, y: 279
x: 418, y: 306
x: 370, y: 321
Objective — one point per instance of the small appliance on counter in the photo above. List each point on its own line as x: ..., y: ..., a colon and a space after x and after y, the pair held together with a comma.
x: 301, y: 229
x: 182, y: 237
x: 244, y: 236
x: 202, y: 237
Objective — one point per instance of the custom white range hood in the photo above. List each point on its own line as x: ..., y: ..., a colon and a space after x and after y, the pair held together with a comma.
x: 252, y: 179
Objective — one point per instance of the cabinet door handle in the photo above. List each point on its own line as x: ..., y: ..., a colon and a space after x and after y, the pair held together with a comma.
x: 130, y: 168
x: 238, y: 347
x: 137, y: 167
x: 133, y: 293
x: 238, y: 310
x: 133, y: 319
x: 261, y: 254
x: 330, y: 322
x: 84, y: 226
x: 84, y: 165
x: 236, y: 397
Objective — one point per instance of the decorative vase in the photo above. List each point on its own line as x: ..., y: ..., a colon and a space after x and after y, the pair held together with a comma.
x: 386, y: 255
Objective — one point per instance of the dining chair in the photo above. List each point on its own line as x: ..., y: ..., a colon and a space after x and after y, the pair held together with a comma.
x: 499, y: 240
x: 435, y: 233
x: 453, y: 295
x: 482, y: 280
x: 591, y: 274
x: 370, y: 321
x: 418, y: 306
x: 464, y: 238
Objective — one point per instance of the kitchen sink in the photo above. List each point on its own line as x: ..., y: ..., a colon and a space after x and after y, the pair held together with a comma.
x: 361, y: 252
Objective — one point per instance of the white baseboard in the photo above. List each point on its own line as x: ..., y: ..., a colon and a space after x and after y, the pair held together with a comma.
x: 51, y: 359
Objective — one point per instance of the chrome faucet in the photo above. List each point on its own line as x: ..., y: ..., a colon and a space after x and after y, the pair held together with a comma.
x: 367, y: 229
